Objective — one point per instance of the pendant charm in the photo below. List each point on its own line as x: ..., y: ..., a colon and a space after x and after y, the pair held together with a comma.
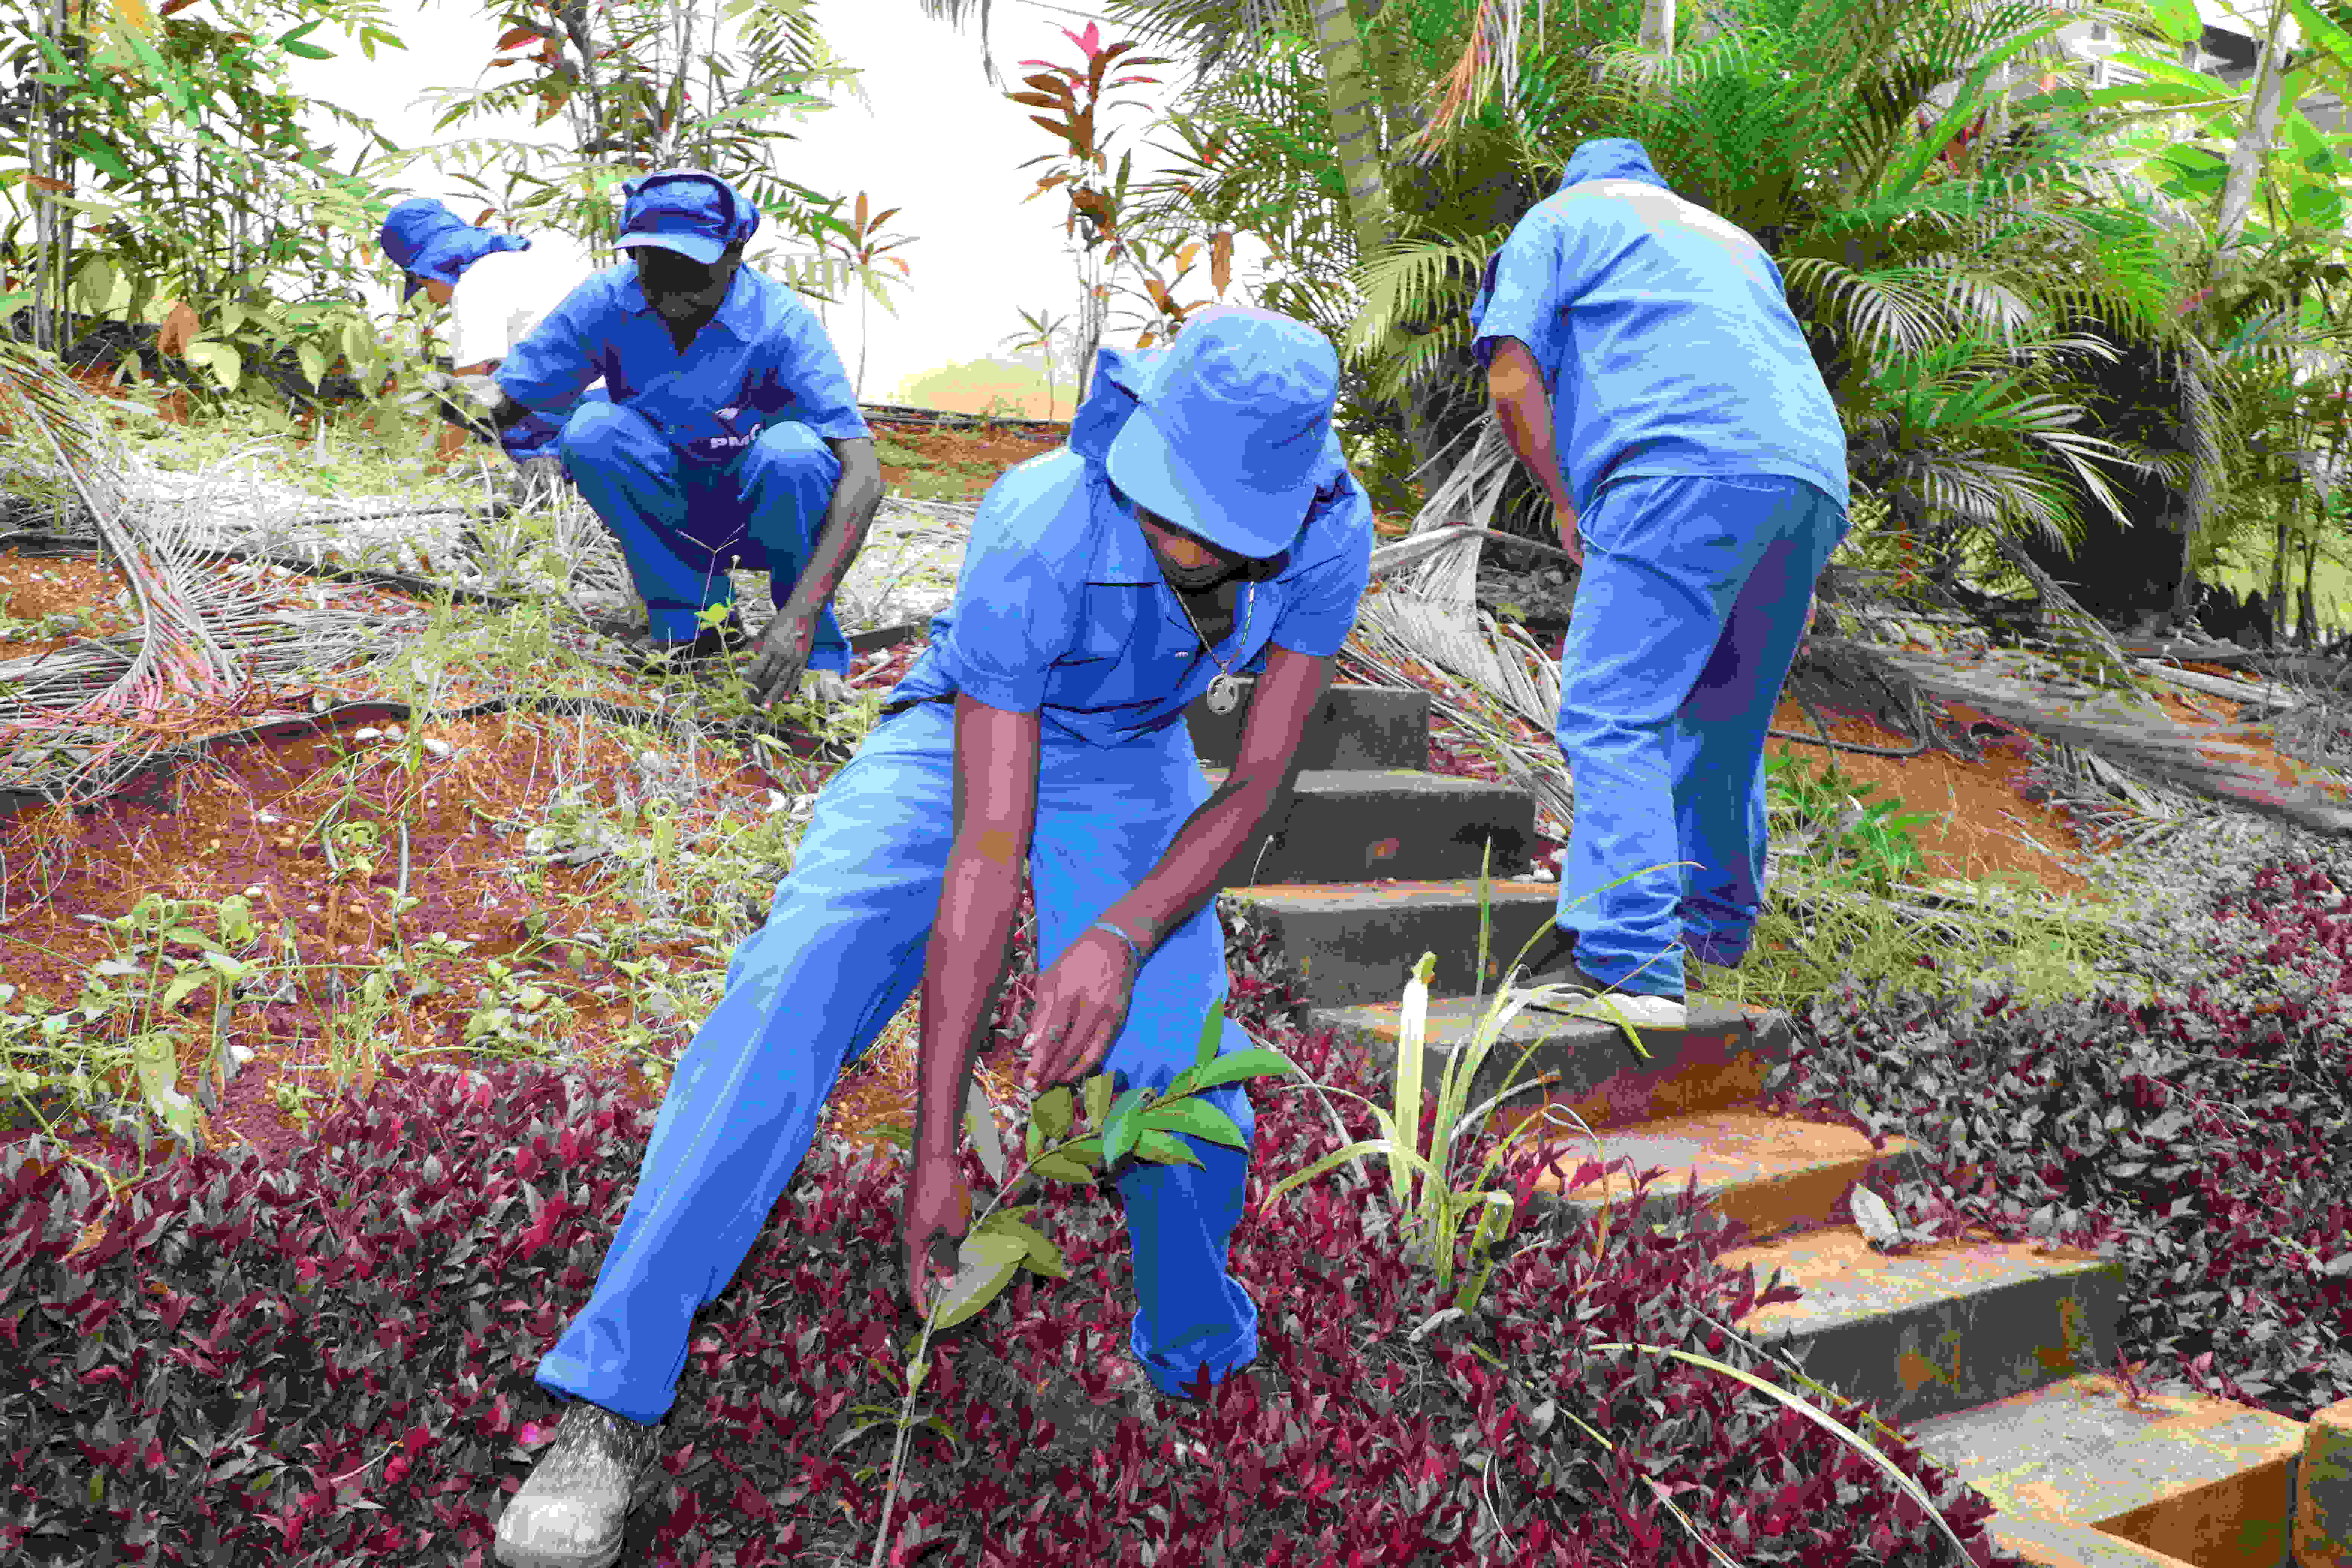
x: 1224, y: 694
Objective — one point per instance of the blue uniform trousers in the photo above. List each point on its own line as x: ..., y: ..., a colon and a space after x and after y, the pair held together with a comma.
x: 1686, y: 620
x: 537, y: 435
x: 680, y: 523
x: 809, y: 992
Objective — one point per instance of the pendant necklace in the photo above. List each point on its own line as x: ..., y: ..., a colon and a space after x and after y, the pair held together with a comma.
x: 1225, y: 690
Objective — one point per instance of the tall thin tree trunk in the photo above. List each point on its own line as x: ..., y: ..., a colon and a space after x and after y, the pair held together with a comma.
x: 2230, y: 218
x: 1350, y: 96
x: 2254, y: 138
x: 865, y: 306
x: 1658, y: 25
x: 2277, y: 595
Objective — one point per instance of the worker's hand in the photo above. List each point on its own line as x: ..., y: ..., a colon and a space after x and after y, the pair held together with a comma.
x: 1081, y: 1006
x: 1563, y: 516
x: 938, y: 1213
x: 780, y: 655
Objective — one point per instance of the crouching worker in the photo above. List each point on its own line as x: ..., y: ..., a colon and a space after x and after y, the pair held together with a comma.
x: 1200, y: 521
x: 731, y: 437
x: 497, y: 286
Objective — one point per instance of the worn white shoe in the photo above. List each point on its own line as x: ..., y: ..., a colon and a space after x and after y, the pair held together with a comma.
x: 570, y: 1513
x: 1641, y: 1012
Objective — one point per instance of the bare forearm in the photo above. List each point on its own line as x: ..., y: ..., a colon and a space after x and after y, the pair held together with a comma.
x: 847, y: 518
x: 1188, y: 875
x: 963, y: 968
x: 1527, y: 427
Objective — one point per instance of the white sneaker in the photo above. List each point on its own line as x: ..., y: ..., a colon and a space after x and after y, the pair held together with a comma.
x: 1641, y: 1012
x: 570, y: 1512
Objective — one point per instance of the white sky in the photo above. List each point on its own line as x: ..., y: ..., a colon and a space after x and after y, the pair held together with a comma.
x: 938, y: 142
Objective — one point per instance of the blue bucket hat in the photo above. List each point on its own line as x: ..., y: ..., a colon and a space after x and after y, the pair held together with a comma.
x: 697, y: 214
x: 432, y: 243
x: 1230, y: 437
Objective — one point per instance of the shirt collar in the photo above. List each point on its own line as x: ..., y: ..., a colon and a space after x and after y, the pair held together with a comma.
x: 1122, y: 554
x: 738, y: 312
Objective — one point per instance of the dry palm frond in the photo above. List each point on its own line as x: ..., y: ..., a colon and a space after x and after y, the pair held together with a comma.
x: 1423, y: 628
x: 2176, y: 754
x: 179, y: 678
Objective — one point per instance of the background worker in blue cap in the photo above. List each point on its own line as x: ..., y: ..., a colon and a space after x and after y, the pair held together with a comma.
x: 731, y: 438
x: 1647, y: 371
x: 1201, y: 521
x: 498, y: 287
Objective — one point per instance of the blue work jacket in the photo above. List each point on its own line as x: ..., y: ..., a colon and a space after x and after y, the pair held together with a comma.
x: 1061, y: 608
x: 764, y: 358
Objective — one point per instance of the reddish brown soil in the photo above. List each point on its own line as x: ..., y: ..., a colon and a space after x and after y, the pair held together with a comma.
x: 973, y: 455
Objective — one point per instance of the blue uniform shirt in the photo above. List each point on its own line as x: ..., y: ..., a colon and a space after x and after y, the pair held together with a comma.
x: 764, y: 358
x: 1663, y: 332
x: 1061, y: 608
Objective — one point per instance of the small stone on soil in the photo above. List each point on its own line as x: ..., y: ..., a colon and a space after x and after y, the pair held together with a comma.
x: 366, y: 732
x: 438, y: 748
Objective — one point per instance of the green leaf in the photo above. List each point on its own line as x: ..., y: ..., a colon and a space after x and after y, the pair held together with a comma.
x: 1197, y: 1117
x: 310, y: 52
x: 1042, y: 1256
x: 986, y: 1265
x: 1120, y: 1132
x: 2318, y: 28
x: 1099, y: 1089
x: 2176, y: 20
x: 981, y: 1123
x: 1053, y: 1113
x: 95, y: 280
x: 314, y: 362
x: 1213, y: 1034
x: 180, y: 989
x: 188, y: 935
x: 1259, y: 1061
x: 1061, y: 1167
x: 1164, y: 1149
x: 225, y: 364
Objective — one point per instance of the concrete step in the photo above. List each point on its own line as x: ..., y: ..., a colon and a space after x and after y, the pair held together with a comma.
x: 1720, y: 1060
x: 1928, y: 1331
x: 2176, y: 1477
x: 1357, y: 944
x: 1354, y: 727
x: 1347, y: 824
x: 1687, y: 1112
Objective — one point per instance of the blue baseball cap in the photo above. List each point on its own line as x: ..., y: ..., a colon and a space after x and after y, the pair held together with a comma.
x: 1231, y: 438
x: 697, y: 214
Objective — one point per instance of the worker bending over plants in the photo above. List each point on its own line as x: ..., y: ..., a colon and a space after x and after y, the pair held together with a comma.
x: 732, y: 436
x: 1649, y: 375
x: 498, y: 287
x: 1200, y: 522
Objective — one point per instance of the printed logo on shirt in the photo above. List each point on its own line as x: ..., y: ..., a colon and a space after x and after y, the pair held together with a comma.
x: 717, y: 449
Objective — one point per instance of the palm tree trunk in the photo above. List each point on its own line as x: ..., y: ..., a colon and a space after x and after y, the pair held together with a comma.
x: 1349, y: 96
x: 2277, y: 594
x: 2230, y: 219
x: 2254, y: 138
x: 1658, y: 25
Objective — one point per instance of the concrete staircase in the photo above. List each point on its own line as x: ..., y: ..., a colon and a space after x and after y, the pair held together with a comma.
x: 1985, y: 1353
